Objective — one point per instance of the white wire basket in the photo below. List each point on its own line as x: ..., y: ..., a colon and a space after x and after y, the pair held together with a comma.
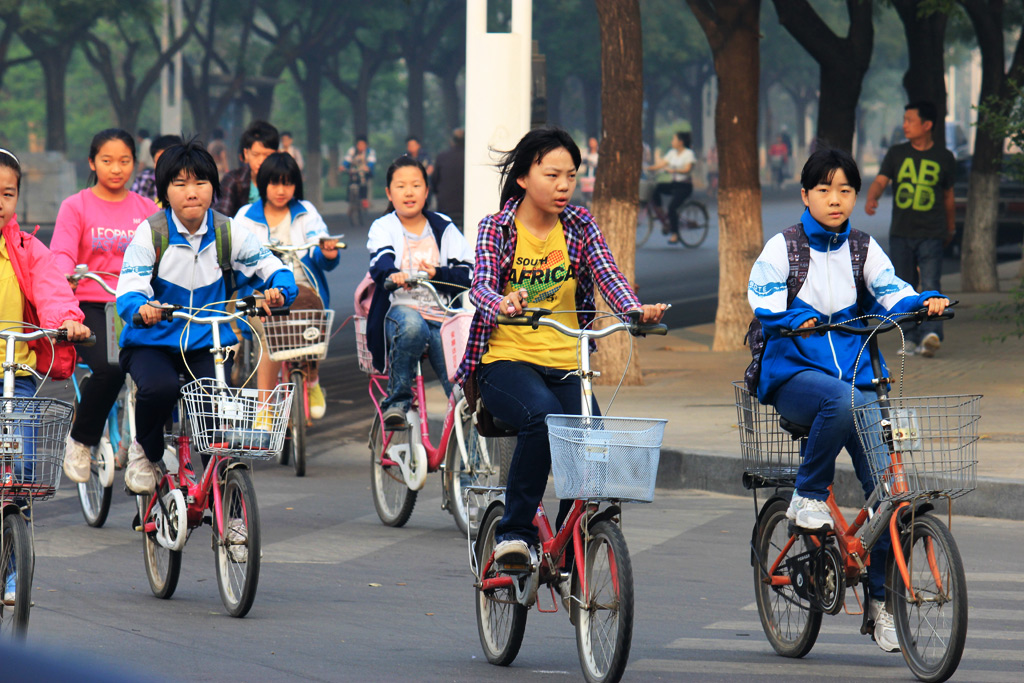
x: 302, y: 335
x: 363, y: 354
x: 32, y: 436
x: 770, y: 455
x: 605, y: 458
x: 243, y: 423
x: 921, y: 446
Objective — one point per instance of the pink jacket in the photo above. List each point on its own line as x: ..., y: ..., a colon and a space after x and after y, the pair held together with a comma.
x: 49, y: 300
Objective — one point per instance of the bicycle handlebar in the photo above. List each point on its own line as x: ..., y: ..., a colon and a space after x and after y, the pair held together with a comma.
x: 82, y: 272
x: 246, y: 306
x: 59, y: 335
x: 885, y: 325
x: 421, y: 280
x: 292, y: 248
x: 535, y: 317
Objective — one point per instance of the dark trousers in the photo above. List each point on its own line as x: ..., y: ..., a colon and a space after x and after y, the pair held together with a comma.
x: 100, y: 392
x: 679, y: 191
x: 919, y: 263
x: 155, y: 371
x: 522, y: 395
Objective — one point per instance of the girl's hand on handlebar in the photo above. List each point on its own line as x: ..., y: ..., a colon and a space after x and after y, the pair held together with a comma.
x: 512, y: 304
x: 652, y: 313
x: 329, y: 248
x: 399, y: 279
x: 272, y: 298
x: 937, y: 306
x: 810, y: 323
x: 151, y: 315
x: 76, y: 330
x: 73, y: 281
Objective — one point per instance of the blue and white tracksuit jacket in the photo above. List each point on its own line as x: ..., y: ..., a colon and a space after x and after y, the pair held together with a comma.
x: 307, y: 225
x: 829, y: 294
x: 189, y: 275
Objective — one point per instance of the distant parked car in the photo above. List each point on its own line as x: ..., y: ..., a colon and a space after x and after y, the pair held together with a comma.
x: 1010, y: 216
x: 956, y: 139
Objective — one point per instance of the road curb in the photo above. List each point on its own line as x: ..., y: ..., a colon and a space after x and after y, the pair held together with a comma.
x: 682, y: 470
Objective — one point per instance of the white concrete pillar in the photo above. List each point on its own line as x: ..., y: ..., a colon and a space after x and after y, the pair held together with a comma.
x: 498, y: 80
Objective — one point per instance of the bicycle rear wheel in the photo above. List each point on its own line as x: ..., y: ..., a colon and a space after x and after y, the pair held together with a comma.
x: 693, y: 224
x: 238, y: 548
x: 392, y: 497
x: 603, y: 614
x: 788, y: 620
x: 93, y: 496
x: 297, y: 424
x: 644, y: 226
x: 17, y: 562
x: 163, y: 566
x: 468, y: 467
x: 931, y: 629
x: 500, y: 620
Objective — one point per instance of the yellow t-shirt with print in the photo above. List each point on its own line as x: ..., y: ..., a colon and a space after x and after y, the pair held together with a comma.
x: 12, y: 308
x: 542, y: 268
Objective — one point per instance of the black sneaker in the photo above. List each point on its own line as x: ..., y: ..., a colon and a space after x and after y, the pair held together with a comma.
x: 394, y: 419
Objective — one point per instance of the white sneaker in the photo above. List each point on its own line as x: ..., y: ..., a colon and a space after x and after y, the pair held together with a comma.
x: 808, y: 513
x: 907, y: 351
x: 237, y: 533
x: 77, y: 461
x: 514, y: 552
x: 885, y: 629
x: 140, y: 475
x: 929, y: 345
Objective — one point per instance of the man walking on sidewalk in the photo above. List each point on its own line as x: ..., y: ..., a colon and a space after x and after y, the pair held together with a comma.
x: 922, y: 213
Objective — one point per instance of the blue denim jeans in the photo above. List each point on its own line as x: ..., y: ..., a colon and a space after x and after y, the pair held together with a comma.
x: 823, y: 403
x: 409, y: 335
x: 523, y: 395
x: 24, y: 466
x: 918, y: 262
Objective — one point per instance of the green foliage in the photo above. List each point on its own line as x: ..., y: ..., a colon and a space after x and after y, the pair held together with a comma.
x: 1004, y: 118
x: 1009, y: 313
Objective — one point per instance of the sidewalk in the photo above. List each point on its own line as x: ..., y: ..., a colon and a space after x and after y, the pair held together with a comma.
x: 691, y: 387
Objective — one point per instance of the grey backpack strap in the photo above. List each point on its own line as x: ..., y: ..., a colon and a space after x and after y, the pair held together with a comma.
x: 161, y: 239
x: 798, y: 250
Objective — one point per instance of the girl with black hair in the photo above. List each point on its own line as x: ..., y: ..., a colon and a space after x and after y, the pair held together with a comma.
x: 283, y: 215
x: 539, y: 251
x: 94, y: 227
x: 406, y: 240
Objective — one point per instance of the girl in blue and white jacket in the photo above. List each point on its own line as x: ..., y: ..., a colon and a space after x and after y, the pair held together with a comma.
x: 808, y: 378
x: 188, y: 273
x: 283, y: 215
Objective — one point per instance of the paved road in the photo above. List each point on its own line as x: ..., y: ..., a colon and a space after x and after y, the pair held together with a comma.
x: 343, y: 598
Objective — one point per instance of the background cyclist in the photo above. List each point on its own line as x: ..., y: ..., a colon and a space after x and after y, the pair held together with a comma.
x: 808, y: 378
x: 538, y: 251
x: 679, y: 162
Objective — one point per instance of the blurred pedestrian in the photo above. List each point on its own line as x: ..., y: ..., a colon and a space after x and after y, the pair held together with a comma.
x: 238, y: 188
x: 142, y: 149
x: 414, y: 150
x: 218, y: 149
x: 145, y: 181
x: 288, y: 146
x: 588, y: 171
x: 448, y: 179
x: 359, y: 162
x: 778, y: 156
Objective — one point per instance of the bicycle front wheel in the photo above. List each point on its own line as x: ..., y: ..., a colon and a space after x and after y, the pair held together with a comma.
x: 237, y: 547
x: 465, y: 467
x: 392, y: 497
x: 644, y: 226
x: 500, y: 620
x: 787, y: 619
x: 931, y: 615
x: 603, y: 612
x: 93, y: 496
x: 297, y: 425
x: 17, y: 562
x: 693, y: 224
x: 163, y: 566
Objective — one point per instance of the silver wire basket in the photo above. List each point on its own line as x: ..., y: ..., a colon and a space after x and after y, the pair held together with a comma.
x: 32, y: 437
x: 241, y: 423
x: 769, y: 454
x: 302, y: 335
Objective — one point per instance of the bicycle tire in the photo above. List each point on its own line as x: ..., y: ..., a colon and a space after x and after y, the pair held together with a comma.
x: 604, y: 624
x: 644, y: 225
x: 693, y: 224
x: 931, y: 634
x: 355, y: 206
x: 163, y: 566
x: 16, y: 553
x: 500, y: 620
x: 392, y: 498
x: 457, y: 475
x: 298, y: 423
x: 789, y: 623
x: 93, y: 497
x: 238, y: 560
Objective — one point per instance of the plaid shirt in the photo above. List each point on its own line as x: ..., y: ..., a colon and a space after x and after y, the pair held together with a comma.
x: 495, y: 251
x: 145, y: 183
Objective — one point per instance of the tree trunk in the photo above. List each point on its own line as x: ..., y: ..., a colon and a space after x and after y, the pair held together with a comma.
x: 310, y: 88
x: 925, y: 76
x: 54, y: 61
x: 450, y: 97
x: 732, y: 30
x: 554, y: 94
x: 651, y: 120
x: 414, y: 71
x: 593, y: 92
x: 618, y: 174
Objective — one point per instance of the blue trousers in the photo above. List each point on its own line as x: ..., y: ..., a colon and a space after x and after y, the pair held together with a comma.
x: 918, y: 262
x: 522, y: 395
x: 409, y: 335
x: 24, y: 466
x: 823, y: 402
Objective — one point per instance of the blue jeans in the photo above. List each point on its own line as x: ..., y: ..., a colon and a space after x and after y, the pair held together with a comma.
x: 919, y: 263
x: 522, y: 395
x: 23, y: 467
x: 823, y: 403
x: 409, y: 335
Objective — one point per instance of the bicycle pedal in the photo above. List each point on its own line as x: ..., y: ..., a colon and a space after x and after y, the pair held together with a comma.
x: 515, y: 569
x: 795, y: 530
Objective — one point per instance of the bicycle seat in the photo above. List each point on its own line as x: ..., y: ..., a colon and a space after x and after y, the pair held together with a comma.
x: 795, y: 430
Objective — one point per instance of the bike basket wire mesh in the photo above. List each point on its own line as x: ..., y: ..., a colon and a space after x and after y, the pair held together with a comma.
x: 363, y: 354
x: 769, y: 454
x: 299, y: 336
x: 612, y: 458
x: 243, y: 423
x: 32, y: 435
x: 926, y: 445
